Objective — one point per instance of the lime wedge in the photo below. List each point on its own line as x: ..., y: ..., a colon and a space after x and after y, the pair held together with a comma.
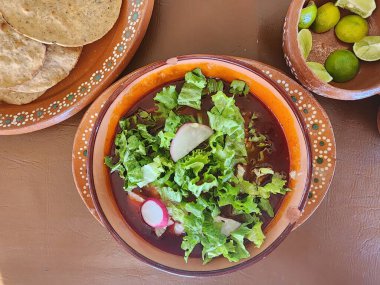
x: 320, y: 71
x: 363, y: 8
x: 368, y: 49
x: 308, y: 15
x: 305, y: 42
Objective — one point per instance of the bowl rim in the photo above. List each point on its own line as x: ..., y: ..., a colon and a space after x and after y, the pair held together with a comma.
x: 122, y: 242
x: 292, y: 52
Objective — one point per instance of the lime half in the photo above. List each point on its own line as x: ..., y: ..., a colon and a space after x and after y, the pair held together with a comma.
x: 308, y: 15
x: 305, y: 42
x: 320, y: 71
x: 368, y: 49
x: 363, y: 8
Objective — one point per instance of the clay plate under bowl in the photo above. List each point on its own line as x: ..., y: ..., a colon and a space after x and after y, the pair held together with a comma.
x: 158, y: 74
x: 99, y: 65
x: 365, y: 84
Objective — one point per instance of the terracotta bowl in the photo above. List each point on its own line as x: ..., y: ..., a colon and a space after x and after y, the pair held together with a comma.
x: 141, y: 84
x: 364, y: 85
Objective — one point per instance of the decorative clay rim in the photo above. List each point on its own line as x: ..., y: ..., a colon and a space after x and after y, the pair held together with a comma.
x: 53, y: 110
x: 320, y: 134
x: 147, y: 260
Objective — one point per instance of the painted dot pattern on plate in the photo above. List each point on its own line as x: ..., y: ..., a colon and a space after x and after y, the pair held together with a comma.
x: 323, y: 153
x: 59, y: 106
x: 82, y: 154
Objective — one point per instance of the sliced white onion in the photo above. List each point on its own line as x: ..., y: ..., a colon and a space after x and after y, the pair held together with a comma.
x: 136, y: 197
x: 159, y: 231
x: 229, y: 225
x: 178, y: 229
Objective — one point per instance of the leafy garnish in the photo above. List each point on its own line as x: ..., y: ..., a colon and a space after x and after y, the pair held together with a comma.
x: 172, y: 124
x: 191, y: 92
x: 169, y: 194
x: 167, y: 99
x: 196, y: 78
x: 214, y: 85
x: 239, y: 87
x: 265, y: 205
x: 226, y: 118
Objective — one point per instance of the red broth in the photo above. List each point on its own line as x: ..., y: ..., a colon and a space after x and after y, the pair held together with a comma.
x: 278, y: 159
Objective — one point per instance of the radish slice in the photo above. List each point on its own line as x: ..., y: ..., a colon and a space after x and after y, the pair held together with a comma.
x: 187, y: 138
x: 154, y: 213
x: 178, y: 229
x: 136, y: 197
x: 229, y: 225
x: 170, y: 222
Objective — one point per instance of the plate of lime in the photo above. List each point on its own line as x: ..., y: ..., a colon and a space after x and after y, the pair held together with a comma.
x: 333, y: 48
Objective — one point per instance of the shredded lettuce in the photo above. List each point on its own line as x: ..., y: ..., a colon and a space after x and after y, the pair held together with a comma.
x: 239, y: 87
x: 225, y: 116
x: 169, y: 194
x: 265, y: 205
x: 190, y: 96
x: 276, y: 186
x: 196, y: 78
x: 168, y: 97
x: 214, y: 85
x: 191, y: 92
x: 256, y: 234
x: 199, y: 186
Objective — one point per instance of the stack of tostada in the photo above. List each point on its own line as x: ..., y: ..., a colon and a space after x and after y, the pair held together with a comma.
x: 41, y: 42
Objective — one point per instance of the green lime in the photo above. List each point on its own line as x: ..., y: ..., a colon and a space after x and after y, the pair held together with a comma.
x: 351, y: 29
x: 328, y: 16
x: 363, y: 8
x: 320, y: 71
x: 342, y: 65
x: 305, y: 42
x: 308, y: 15
x: 368, y: 48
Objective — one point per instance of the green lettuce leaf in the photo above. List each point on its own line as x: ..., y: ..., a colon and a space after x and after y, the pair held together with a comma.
x: 177, y: 211
x: 190, y: 95
x: 150, y: 172
x: 256, y: 234
x: 214, y: 85
x: 189, y: 242
x: 172, y: 123
x: 238, y: 236
x: 196, y: 78
x: 265, y: 205
x: 276, y: 186
x: 196, y: 186
x: 191, y: 92
x: 113, y: 167
x: 239, y: 87
x: 167, y: 99
x: 225, y: 116
x: 169, y: 194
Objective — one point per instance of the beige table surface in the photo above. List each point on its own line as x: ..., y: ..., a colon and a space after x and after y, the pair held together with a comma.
x: 47, y: 236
